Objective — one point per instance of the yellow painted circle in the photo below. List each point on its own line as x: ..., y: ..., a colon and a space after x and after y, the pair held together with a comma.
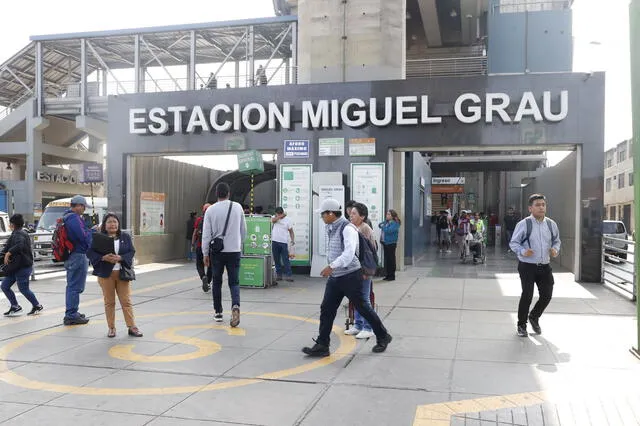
x: 347, y: 345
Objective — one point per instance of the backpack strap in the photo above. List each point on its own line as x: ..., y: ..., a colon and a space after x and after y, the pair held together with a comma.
x: 530, y: 228
x: 553, y: 237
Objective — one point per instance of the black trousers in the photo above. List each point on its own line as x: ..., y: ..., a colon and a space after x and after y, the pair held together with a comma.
x: 200, y: 266
x: 336, y: 289
x: 389, y: 260
x: 540, y: 275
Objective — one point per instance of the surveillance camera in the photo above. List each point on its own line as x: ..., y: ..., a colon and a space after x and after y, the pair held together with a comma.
x: 587, y: 75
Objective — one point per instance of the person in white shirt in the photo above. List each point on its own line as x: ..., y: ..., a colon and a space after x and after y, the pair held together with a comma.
x: 280, y: 232
x: 224, y: 213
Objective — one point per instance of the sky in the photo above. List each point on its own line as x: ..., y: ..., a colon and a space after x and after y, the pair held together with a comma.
x: 601, y: 34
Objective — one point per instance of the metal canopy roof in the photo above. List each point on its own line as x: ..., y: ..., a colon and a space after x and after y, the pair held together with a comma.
x: 116, y: 49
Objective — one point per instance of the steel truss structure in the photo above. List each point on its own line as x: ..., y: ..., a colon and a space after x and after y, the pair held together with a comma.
x: 76, y: 67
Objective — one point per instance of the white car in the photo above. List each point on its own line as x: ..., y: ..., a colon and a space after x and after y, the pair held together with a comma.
x: 5, y: 231
x: 615, y: 229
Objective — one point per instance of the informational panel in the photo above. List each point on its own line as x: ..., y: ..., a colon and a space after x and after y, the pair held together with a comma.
x: 296, y: 149
x: 258, y: 239
x: 362, y: 147
x: 152, y: 213
x: 250, y: 162
x: 252, y: 272
x: 331, y: 147
x: 367, y: 187
x: 295, y: 198
x: 327, y: 191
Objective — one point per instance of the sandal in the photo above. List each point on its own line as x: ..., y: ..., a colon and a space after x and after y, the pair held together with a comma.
x: 133, y: 331
x: 112, y: 332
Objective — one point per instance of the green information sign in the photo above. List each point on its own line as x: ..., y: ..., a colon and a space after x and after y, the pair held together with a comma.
x: 235, y: 143
x: 252, y: 271
x: 250, y: 162
x: 258, y: 239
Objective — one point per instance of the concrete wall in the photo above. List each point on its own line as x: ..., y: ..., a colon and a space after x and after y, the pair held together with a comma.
x: 355, y: 40
x: 418, y: 234
x: 519, y: 42
x: 185, y: 186
x: 558, y: 184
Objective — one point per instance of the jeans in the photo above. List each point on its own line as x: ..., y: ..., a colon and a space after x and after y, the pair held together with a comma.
x: 200, y: 266
x: 531, y: 274
x: 359, y: 322
x: 281, y: 258
x: 336, y: 289
x: 232, y: 262
x: 76, y: 266
x: 508, y: 233
x: 22, y: 277
x: 389, y: 259
x: 189, y: 250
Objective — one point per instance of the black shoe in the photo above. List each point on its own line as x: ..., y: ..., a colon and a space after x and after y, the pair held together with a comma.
x: 13, y: 310
x: 75, y: 321
x: 535, y: 324
x: 522, y: 331
x: 36, y: 310
x: 381, y: 344
x: 205, y: 284
x: 317, y: 350
x: 217, y: 317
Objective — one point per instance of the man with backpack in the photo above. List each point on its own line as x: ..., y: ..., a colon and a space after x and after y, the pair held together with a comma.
x: 196, y: 241
x: 78, y: 238
x: 344, y: 274
x: 443, y: 226
x: 535, y: 240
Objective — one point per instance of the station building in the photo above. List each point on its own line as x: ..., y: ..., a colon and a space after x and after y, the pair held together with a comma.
x: 395, y: 103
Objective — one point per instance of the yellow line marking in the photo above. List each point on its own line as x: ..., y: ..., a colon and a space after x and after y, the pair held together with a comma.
x: 347, y: 345
x: 440, y: 414
x: 99, y: 301
x: 205, y: 347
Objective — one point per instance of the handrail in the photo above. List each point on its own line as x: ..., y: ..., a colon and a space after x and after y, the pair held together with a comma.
x: 447, y: 67
x: 626, y: 281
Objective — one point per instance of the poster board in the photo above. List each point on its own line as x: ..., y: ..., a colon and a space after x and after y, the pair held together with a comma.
x: 296, y: 200
x: 152, y: 219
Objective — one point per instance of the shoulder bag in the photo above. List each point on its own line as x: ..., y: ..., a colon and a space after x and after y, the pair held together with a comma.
x: 217, y: 245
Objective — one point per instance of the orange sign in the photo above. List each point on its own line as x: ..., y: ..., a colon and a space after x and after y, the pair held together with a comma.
x: 447, y: 189
x: 152, y: 196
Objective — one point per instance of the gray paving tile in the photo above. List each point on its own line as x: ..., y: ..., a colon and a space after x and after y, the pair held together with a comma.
x: 11, y: 409
x: 516, y: 350
x: 425, y: 314
x: 44, y: 415
x: 339, y: 404
x: 416, y: 347
x: 415, y: 328
x: 253, y: 404
x: 494, y: 378
x: 173, y: 421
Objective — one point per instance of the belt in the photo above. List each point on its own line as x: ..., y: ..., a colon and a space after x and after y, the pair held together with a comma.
x: 540, y: 265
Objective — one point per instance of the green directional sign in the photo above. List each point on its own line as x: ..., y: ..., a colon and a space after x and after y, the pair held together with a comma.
x: 250, y: 162
x: 251, y: 272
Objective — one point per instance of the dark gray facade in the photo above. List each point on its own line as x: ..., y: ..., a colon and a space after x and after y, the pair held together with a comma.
x: 583, y: 125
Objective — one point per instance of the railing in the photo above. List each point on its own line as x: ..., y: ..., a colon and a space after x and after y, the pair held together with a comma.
x: 520, y: 6
x: 5, y: 111
x: 623, y: 274
x: 447, y: 67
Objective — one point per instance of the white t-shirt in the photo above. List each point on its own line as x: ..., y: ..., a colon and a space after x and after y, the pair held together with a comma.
x: 116, y: 249
x: 280, y: 230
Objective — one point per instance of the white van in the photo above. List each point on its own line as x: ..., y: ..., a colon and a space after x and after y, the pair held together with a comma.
x: 53, y: 211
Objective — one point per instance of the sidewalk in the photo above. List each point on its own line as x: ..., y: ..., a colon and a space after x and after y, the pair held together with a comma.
x: 455, y: 358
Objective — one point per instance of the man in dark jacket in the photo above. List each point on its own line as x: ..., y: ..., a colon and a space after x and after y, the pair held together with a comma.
x: 76, y: 265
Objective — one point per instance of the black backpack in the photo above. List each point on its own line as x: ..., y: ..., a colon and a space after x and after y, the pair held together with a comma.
x: 443, y: 222
x: 366, y: 253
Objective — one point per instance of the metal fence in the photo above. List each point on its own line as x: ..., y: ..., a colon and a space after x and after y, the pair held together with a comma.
x: 618, y: 266
x: 447, y: 67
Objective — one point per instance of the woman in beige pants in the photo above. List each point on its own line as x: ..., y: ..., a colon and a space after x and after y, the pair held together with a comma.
x: 108, y: 267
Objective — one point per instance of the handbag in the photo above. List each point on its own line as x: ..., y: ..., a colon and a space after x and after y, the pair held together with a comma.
x: 126, y: 272
x: 217, y: 245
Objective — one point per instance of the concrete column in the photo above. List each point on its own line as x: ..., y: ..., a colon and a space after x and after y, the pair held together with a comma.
x: 35, y: 127
x: 352, y: 40
x: 395, y: 200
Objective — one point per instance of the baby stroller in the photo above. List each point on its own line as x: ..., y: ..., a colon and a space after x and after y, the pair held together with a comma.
x: 477, y: 247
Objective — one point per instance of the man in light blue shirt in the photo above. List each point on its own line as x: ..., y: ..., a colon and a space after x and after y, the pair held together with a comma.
x: 535, y: 241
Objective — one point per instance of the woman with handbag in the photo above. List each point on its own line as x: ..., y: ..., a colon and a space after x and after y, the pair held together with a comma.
x: 115, y: 272
x: 389, y: 239
x: 16, y: 258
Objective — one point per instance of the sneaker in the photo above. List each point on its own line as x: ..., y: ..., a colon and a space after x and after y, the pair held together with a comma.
x: 381, y: 344
x: 535, y: 324
x: 75, y: 321
x: 217, y: 317
x: 364, y: 334
x: 205, y: 284
x: 235, y: 316
x: 317, y: 350
x: 36, y: 310
x: 289, y: 279
x: 352, y: 331
x: 522, y: 331
x: 13, y: 310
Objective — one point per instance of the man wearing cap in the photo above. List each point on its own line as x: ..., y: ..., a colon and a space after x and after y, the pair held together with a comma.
x: 76, y: 265
x: 196, y: 240
x: 344, y: 279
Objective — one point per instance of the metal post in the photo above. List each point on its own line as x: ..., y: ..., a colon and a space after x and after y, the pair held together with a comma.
x: 250, y: 57
x: 634, y: 34
x: 191, y: 78
x: 294, y: 52
x: 39, y: 81
x: 136, y: 64
x: 237, y: 75
x: 83, y: 77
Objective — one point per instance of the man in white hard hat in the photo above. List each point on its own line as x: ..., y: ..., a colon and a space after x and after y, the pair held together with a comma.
x: 345, y: 278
